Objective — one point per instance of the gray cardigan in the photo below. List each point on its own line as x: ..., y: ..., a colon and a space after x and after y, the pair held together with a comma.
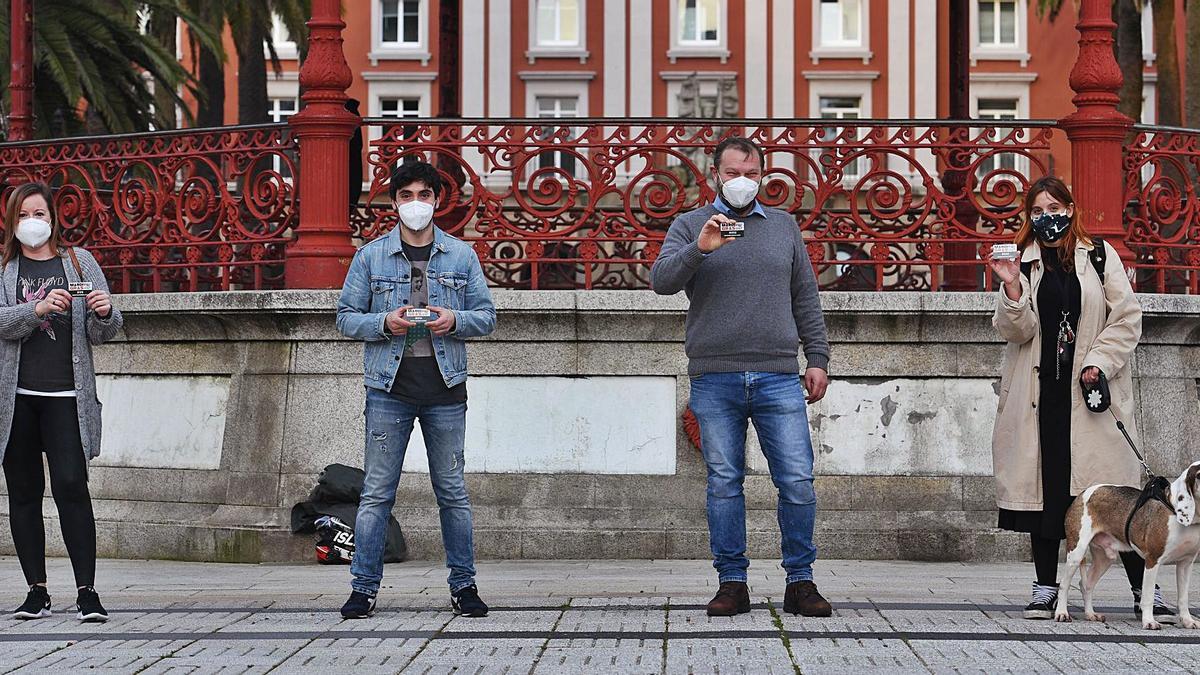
x: 18, y: 321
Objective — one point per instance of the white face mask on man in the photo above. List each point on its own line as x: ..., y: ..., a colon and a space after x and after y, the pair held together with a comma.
x: 33, y: 232
x: 739, y: 192
x: 416, y: 215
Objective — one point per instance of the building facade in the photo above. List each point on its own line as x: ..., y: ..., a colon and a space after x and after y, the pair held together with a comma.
x: 703, y: 58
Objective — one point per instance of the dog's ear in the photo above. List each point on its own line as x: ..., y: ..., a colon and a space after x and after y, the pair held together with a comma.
x: 1193, y: 476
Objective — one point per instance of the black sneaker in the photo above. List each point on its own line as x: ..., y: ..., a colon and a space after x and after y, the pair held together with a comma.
x: 90, y: 609
x: 36, y: 605
x: 1044, y: 600
x: 359, y: 606
x: 1162, y: 611
x: 466, y: 602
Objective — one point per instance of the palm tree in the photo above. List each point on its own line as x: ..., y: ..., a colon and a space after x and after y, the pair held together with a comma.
x: 1193, y: 64
x: 1169, y: 110
x: 94, y: 70
x: 249, y: 23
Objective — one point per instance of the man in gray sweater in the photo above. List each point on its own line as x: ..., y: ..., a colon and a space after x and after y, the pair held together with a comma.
x: 753, y: 295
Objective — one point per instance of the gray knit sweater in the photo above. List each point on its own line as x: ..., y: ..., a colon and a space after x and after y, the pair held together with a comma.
x: 18, y: 321
x: 752, y: 301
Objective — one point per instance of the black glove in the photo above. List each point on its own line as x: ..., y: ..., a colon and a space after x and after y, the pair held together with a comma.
x: 1096, y: 396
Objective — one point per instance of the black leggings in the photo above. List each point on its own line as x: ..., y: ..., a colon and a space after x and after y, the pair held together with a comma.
x: 1045, y: 561
x: 51, y: 425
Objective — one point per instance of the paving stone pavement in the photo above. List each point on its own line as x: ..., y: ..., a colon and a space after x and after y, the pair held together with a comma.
x: 639, y: 617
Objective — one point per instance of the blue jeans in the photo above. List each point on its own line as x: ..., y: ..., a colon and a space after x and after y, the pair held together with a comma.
x: 723, y: 402
x: 389, y: 425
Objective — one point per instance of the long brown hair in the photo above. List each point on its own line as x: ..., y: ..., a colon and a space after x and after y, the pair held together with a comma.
x: 12, y: 215
x: 1062, y: 194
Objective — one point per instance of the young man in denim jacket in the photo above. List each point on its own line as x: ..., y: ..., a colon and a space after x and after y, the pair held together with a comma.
x: 415, y: 367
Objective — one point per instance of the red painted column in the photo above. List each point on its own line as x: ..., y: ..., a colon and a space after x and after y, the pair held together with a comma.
x: 323, y: 248
x: 20, y: 86
x: 1096, y: 130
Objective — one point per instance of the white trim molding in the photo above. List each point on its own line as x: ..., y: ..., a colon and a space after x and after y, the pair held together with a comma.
x: 860, y: 51
x: 557, y: 75
x: 684, y: 50
x: 1016, y: 52
x: 576, y: 51
x: 1149, y: 53
x: 387, y: 51
x: 841, y: 75
x: 615, y: 75
x: 394, y: 76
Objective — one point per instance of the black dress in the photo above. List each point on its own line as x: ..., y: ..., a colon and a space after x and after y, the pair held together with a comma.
x: 1058, y: 292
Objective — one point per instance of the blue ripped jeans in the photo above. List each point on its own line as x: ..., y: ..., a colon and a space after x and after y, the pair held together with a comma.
x: 723, y: 404
x: 389, y: 425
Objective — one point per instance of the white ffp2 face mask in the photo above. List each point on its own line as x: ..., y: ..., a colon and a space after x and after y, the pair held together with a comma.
x: 415, y: 215
x: 33, y: 232
x: 740, y: 191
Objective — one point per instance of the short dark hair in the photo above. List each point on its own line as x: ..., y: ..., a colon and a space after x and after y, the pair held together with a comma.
x: 411, y: 171
x: 738, y: 143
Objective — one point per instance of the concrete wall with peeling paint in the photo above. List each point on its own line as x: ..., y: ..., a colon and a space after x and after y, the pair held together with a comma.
x: 221, y: 409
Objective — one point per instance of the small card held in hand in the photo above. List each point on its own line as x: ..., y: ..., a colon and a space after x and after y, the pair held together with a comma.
x: 733, y: 229
x: 79, y: 289
x: 417, y: 314
x: 1005, y: 252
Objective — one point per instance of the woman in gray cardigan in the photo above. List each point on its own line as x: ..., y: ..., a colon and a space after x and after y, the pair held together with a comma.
x: 54, y: 305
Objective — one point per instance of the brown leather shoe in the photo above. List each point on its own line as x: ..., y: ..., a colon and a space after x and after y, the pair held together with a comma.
x: 732, y: 598
x: 802, y: 598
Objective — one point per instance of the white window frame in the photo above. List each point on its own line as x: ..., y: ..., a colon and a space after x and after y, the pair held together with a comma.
x: 860, y: 51
x: 399, y: 51
x: 1014, y: 52
x: 534, y: 111
x: 285, y: 87
x: 847, y: 84
x: 403, y: 100
x: 1007, y: 86
x: 381, y: 85
x: 286, y: 49
x: 558, y: 51
x: 558, y: 84
x: 703, y: 50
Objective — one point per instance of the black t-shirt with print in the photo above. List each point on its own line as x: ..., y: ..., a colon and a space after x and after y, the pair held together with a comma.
x: 419, y: 379
x: 46, y: 353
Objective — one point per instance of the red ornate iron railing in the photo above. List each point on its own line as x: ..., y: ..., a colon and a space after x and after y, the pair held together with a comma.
x: 198, y: 209
x: 885, y: 204
x: 1162, y: 215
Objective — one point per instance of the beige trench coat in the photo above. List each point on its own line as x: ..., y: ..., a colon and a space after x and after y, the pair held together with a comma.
x: 1110, y: 324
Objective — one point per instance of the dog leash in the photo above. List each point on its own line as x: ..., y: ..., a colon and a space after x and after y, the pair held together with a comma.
x: 1121, y: 426
x: 1157, y: 488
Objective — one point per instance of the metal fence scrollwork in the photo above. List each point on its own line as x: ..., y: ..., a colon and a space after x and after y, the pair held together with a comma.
x: 176, y: 211
x: 586, y: 203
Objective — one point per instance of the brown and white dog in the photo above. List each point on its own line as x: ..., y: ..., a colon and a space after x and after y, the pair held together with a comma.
x: 1096, y: 522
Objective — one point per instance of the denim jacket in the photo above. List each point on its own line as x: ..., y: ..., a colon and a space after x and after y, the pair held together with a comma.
x: 379, y: 281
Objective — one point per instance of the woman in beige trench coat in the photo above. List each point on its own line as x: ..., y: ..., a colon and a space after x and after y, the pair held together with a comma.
x: 1061, y: 324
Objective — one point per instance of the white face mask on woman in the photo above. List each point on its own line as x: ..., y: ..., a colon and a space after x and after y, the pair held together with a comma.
x: 415, y: 214
x: 740, y: 191
x: 33, y: 232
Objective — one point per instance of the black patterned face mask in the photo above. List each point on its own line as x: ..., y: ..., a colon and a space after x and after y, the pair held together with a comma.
x: 1050, y: 227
